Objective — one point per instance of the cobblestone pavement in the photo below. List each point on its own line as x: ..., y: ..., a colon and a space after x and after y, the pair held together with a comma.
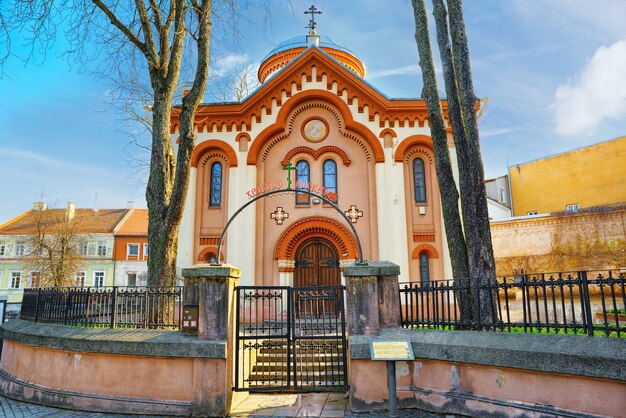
x: 310, y: 405
x: 16, y: 409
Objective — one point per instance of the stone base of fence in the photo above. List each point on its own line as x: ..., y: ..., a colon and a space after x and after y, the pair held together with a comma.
x: 494, y: 374
x: 113, y: 370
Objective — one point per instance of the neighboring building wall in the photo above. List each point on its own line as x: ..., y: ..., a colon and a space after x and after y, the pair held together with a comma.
x: 588, y: 240
x: 498, y: 190
x: 129, y: 267
x: 589, y: 176
x: 497, y: 210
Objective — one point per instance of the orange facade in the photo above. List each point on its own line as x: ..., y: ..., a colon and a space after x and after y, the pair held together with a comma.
x: 314, y: 112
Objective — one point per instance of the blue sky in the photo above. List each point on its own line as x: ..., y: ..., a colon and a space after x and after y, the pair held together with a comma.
x: 554, y: 72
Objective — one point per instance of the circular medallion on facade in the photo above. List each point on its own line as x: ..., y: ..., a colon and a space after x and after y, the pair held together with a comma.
x: 314, y: 129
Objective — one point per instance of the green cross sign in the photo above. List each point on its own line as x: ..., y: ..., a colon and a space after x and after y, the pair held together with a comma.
x: 289, y: 167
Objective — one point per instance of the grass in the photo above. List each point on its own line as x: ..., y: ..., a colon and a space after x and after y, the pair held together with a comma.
x: 612, y: 333
x: 618, y: 311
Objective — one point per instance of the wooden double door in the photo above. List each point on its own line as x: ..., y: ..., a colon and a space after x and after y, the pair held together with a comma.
x: 317, y: 264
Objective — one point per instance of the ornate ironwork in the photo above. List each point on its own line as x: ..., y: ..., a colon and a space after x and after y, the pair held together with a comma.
x: 290, y: 339
x: 562, y: 302
x: 107, y: 307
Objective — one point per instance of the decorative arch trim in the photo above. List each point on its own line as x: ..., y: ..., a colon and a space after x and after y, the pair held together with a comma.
x: 317, y: 154
x: 425, y: 248
x: 279, y: 127
x: 243, y: 135
x: 421, y: 140
x: 203, y: 256
x: 387, y: 131
x: 320, y: 227
x: 206, y: 146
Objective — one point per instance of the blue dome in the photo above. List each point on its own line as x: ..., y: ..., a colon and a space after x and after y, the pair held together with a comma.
x: 280, y: 56
x: 300, y: 41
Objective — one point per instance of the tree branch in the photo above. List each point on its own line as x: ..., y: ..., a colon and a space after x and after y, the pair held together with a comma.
x: 123, y: 28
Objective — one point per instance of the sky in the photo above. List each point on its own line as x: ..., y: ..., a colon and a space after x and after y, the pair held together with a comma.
x: 552, y: 72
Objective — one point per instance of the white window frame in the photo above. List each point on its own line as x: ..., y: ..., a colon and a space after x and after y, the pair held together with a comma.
x: 532, y: 212
x: 99, y: 246
x: 94, y: 277
x: 145, y: 250
x: 84, y: 249
x: 128, y: 254
x: 3, y: 248
x: 91, y: 249
x: 502, y: 196
x: 573, y: 207
x: 11, y: 273
x: 30, y: 278
x: 20, y: 249
x: 136, y: 278
x: 84, y: 278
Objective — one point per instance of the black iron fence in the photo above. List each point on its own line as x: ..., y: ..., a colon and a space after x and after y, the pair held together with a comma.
x: 108, y: 307
x: 566, y: 302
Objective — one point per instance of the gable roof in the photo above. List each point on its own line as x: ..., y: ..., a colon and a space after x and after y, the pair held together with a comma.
x: 312, y: 62
x: 136, y: 223
x: 87, y: 221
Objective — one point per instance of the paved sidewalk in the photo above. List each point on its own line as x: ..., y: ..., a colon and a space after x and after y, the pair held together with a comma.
x: 323, y: 405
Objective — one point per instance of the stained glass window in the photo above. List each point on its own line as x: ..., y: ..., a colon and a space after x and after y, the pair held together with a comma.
x: 303, y: 177
x: 216, y: 184
x: 419, y: 180
x: 424, y: 273
x: 330, y: 179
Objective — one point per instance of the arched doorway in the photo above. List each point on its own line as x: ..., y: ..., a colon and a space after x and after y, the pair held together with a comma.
x: 316, y: 264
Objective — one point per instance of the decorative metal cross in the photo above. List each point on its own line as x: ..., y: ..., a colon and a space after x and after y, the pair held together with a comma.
x: 312, y: 11
x: 289, y: 169
x: 354, y: 213
x: 279, y: 215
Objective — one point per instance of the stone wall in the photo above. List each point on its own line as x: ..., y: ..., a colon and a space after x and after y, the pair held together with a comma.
x: 588, y: 240
x: 494, y: 374
x: 114, y: 371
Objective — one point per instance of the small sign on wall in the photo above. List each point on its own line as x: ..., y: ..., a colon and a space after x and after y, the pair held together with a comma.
x: 391, y: 350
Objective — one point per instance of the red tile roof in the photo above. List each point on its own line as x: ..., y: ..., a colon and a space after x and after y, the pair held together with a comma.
x: 88, y: 221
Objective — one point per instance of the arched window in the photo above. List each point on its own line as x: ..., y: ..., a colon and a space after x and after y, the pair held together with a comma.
x: 419, y: 180
x: 216, y: 185
x: 303, y: 177
x: 424, y: 274
x: 330, y: 179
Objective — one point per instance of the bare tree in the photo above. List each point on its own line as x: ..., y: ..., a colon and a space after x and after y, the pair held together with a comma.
x: 54, y: 249
x: 143, y: 38
x: 447, y: 186
x: 478, y: 260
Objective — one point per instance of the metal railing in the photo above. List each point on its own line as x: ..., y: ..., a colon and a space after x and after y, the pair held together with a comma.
x: 157, y: 307
x: 582, y: 302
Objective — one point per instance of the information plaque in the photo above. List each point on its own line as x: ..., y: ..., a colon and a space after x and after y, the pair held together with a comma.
x: 391, y: 350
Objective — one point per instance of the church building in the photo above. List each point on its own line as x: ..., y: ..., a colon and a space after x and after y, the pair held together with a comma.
x: 316, y: 123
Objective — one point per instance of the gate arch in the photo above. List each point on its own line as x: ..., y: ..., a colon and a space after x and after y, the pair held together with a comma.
x: 290, y: 190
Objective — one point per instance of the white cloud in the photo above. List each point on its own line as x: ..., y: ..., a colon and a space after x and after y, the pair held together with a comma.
x: 598, y: 92
x: 29, y: 157
x: 228, y: 62
x: 407, y: 69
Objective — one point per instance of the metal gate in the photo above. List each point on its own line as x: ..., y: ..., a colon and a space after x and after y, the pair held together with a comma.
x: 291, y: 339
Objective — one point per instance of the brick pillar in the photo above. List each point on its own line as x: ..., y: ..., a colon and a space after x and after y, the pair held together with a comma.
x: 372, y: 297
x: 212, y: 288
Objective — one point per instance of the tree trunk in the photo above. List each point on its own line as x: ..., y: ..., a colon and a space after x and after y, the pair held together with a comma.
x: 473, y: 195
x: 169, y: 173
x: 447, y: 186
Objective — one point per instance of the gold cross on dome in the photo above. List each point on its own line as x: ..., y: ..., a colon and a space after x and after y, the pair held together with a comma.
x: 312, y: 24
x: 354, y: 213
x: 279, y: 215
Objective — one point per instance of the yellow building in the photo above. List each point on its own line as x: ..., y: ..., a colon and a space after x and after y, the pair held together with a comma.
x: 581, y: 178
